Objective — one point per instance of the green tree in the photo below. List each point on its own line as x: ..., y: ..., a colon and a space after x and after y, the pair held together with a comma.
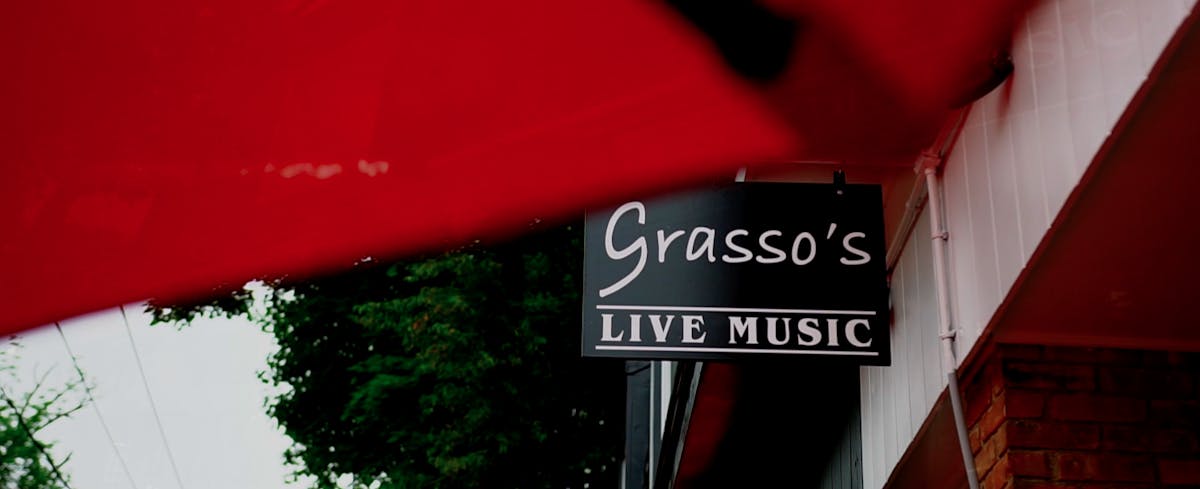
x: 25, y: 461
x: 457, y: 370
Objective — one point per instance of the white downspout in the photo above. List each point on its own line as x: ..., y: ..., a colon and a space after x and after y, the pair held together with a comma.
x: 929, y: 165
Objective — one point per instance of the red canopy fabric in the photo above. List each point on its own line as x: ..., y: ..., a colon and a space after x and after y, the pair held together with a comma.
x: 163, y: 148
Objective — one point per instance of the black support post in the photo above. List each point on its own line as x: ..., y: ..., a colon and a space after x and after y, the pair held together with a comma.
x: 637, y: 423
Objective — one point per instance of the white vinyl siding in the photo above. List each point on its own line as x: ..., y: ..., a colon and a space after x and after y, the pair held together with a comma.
x: 896, y: 399
x: 1022, y: 150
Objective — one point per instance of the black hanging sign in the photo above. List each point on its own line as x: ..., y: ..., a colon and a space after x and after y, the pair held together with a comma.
x: 752, y: 270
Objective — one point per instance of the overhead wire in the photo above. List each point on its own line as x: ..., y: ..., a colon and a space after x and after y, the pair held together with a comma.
x: 95, y: 407
x: 153, y: 409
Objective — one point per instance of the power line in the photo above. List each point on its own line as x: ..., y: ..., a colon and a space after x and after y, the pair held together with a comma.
x: 153, y: 409
x: 28, y: 432
x: 96, y: 407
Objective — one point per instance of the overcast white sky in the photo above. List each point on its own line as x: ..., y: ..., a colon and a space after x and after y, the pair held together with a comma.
x: 204, y: 383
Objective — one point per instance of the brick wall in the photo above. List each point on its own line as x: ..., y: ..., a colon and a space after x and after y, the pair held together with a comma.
x: 1079, y: 418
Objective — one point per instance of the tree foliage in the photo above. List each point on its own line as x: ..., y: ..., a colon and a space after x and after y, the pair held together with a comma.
x: 24, y: 462
x: 458, y: 370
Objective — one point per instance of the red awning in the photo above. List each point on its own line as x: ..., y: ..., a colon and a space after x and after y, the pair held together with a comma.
x: 164, y: 148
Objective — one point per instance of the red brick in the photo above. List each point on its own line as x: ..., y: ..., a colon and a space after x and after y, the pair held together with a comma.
x: 998, y: 477
x: 1189, y: 358
x: 1024, y: 433
x: 1024, y: 463
x: 1050, y: 376
x: 1126, y: 438
x: 1023, y: 404
x: 1179, y: 471
x: 1175, y: 414
x: 993, y: 450
x: 1022, y: 352
x: 1020, y: 483
x: 1093, y: 356
x: 1106, y: 467
x: 974, y: 440
x: 1088, y: 407
x: 1175, y: 358
x: 1044, y: 484
x: 1175, y: 441
x: 979, y: 392
x: 1154, y: 357
x: 1149, y: 383
x: 973, y: 411
x: 1145, y: 439
x: 992, y: 418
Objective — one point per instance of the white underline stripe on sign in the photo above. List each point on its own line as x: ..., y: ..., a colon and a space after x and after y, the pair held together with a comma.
x: 700, y: 349
x: 613, y: 307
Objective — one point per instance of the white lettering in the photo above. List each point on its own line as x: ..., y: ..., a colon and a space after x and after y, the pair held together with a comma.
x: 863, y: 257
x: 664, y: 242
x: 706, y: 246
x: 606, y: 329
x: 691, y: 325
x: 746, y: 328
x: 661, y: 329
x: 638, y: 246
x: 831, y: 328
x: 771, y: 331
x: 635, y: 327
x: 734, y: 246
x: 762, y: 242
x: 808, y: 327
x: 746, y: 255
x: 852, y: 336
x: 812, y: 248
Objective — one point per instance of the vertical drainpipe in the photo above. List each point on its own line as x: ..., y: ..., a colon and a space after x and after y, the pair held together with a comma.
x: 928, y: 165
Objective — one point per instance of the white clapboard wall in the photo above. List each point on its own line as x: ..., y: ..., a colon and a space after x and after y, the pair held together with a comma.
x: 1021, y: 152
